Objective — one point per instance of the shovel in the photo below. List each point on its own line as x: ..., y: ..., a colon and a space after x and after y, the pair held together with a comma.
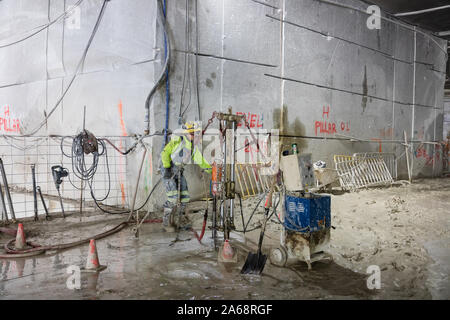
x: 256, y: 261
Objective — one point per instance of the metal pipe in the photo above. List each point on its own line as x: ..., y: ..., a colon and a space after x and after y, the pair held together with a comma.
x: 214, y: 222
x: 407, y: 156
x: 8, y: 195
x: 33, y: 176
x: 245, y: 180
x: 135, y: 193
x: 410, y: 13
x: 413, y: 106
x: 47, y: 217
x: 4, y: 212
x: 60, y: 202
x: 224, y: 176
x: 232, y: 167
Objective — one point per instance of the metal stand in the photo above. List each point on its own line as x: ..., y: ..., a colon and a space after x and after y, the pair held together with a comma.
x: 4, y: 212
x: 47, y: 216
x: 37, y: 189
x: 33, y: 175
x: 58, y: 173
x: 136, y: 229
x: 225, y: 193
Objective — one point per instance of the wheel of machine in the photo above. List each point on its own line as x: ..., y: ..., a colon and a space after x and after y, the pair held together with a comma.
x: 278, y: 257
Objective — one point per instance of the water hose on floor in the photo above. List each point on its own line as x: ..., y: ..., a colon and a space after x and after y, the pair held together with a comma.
x: 36, y: 249
x: 200, y: 237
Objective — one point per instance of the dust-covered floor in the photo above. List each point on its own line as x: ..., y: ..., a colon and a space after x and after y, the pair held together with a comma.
x: 404, y: 230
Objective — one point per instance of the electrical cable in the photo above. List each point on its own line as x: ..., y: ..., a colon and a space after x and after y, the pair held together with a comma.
x: 79, y: 168
x: 80, y: 63
x: 42, y: 28
x: 254, y: 210
x: 258, y: 227
x: 31, y: 146
x: 404, y: 25
x: 187, y: 67
x: 118, y: 150
x: 84, y: 173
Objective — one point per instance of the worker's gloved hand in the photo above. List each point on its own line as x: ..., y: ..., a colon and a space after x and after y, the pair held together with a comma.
x: 208, y: 171
x: 167, y: 173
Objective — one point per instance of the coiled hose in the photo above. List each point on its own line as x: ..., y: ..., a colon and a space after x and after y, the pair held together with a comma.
x: 36, y: 249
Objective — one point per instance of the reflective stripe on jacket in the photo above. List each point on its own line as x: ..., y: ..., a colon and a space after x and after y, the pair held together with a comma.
x: 178, y: 151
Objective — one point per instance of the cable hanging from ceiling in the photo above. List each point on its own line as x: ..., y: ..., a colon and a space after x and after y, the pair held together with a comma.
x: 45, y: 26
x: 77, y: 69
x: 188, y: 65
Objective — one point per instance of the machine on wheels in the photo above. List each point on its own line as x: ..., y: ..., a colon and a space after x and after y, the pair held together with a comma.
x: 306, y: 216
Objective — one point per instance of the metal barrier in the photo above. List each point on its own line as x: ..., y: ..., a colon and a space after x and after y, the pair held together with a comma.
x: 250, y: 180
x: 389, y: 158
x: 362, y: 171
x: 19, y: 153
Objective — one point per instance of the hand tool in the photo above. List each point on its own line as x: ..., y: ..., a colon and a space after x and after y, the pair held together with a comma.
x: 58, y: 173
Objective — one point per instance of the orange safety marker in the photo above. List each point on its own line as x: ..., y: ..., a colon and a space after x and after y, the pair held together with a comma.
x: 226, y: 253
x: 93, y: 263
x: 20, y: 238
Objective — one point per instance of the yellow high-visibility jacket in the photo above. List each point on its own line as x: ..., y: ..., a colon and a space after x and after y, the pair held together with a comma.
x: 172, y: 150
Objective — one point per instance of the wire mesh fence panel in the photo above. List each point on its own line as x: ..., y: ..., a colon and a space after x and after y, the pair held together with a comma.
x: 19, y: 153
x: 389, y: 158
x: 250, y: 180
x: 361, y: 171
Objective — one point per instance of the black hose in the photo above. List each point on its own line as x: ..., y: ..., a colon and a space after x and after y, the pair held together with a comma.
x: 242, y: 212
x: 36, y: 250
x: 254, y: 210
x: 163, y: 73
x: 258, y: 227
x: 87, y: 174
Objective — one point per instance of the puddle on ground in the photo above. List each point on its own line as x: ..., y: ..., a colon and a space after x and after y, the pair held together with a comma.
x: 148, y: 268
x: 438, y: 281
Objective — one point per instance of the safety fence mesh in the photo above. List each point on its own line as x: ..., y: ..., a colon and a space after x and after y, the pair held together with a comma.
x: 19, y: 153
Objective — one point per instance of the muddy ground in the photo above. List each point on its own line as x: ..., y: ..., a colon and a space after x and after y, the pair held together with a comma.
x: 402, y: 229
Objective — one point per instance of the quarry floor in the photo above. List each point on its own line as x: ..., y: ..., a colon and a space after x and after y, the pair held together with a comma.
x: 405, y: 230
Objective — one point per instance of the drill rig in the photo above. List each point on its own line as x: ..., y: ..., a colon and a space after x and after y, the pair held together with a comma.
x: 223, y: 185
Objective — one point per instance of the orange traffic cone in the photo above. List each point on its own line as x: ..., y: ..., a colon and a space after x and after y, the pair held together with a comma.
x: 226, y: 253
x: 20, y: 238
x: 92, y: 263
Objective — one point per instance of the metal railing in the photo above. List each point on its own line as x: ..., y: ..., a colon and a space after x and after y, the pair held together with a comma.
x: 357, y: 172
x: 389, y: 158
x: 250, y: 181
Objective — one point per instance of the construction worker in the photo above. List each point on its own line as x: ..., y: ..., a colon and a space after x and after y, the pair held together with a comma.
x: 176, y: 154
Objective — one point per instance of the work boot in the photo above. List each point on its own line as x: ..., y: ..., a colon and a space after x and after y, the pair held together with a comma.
x: 167, y: 221
x: 185, y: 223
